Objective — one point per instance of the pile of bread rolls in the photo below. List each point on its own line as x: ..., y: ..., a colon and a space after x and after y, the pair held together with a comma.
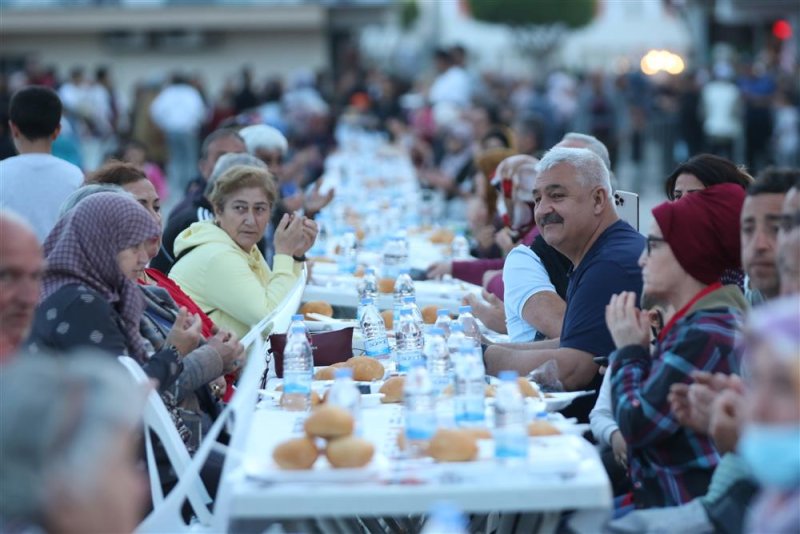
x: 329, y: 431
x: 365, y: 369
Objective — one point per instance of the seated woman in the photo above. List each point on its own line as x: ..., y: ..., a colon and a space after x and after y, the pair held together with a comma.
x: 218, y: 264
x: 90, y: 297
x: 163, y: 297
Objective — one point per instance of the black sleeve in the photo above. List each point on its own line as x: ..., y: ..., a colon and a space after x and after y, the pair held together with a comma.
x: 75, y: 319
x: 176, y: 224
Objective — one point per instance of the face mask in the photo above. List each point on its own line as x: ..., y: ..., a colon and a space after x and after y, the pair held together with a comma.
x: 773, y: 454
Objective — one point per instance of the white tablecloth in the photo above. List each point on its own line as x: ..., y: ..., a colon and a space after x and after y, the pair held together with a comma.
x: 400, y: 488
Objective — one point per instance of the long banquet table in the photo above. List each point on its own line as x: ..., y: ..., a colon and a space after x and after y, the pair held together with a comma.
x: 563, y: 473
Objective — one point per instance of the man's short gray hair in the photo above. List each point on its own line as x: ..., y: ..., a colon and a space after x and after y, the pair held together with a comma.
x: 590, y: 168
x: 264, y: 136
x: 226, y: 161
x: 59, y: 417
x: 592, y: 143
x: 88, y: 190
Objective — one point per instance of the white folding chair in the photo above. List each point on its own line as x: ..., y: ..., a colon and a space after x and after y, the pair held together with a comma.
x: 281, y: 316
x: 157, y: 419
x: 167, y: 516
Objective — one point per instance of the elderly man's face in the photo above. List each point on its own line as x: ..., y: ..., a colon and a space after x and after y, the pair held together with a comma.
x: 225, y: 145
x: 761, y: 216
x: 565, y: 210
x: 21, y: 269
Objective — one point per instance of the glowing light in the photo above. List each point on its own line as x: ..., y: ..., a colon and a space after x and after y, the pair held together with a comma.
x: 656, y: 61
x: 782, y: 29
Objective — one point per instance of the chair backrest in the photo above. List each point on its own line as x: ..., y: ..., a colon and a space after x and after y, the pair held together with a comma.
x: 158, y: 421
x: 167, y: 517
x: 290, y: 304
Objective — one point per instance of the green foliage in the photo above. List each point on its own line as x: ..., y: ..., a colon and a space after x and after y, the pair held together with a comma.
x: 409, y: 13
x: 572, y: 13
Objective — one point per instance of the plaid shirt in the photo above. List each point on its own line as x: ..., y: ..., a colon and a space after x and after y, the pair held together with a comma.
x: 671, y: 464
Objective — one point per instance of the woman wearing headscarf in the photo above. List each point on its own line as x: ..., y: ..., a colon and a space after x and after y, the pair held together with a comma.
x: 90, y: 297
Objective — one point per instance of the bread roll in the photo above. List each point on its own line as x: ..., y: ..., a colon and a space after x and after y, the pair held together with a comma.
x: 386, y: 285
x: 429, y: 314
x: 448, y: 391
x: 527, y: 388
x: 366, y: 369
x: 449, y: 445
x: 317, y: 306
x: 315, y: 398
x: 392, y: 390
x: 296, y: 454
x: 329, y: 422
x: 542, y: 428
x: 478, y: 432
x: 388, y: 319
x: 349, y: 452
x: 326, y: 373
x: 442, y: 236
x: 490, y: 391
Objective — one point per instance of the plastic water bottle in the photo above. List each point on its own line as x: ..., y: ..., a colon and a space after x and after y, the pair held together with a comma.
x: 403, y: 248
x: 345, y: 394
x: 410, y: 301
x: 443, y: 321
x: 391, y: 258
x: 348, y: 252
x: 510, y: 433
x: 438, y: 360
x: 376, y: 345
x: 460, y: 247
x: 368, y: 286
x: 470, y: 386
x: 455, y: 341
x: 298, y: 320
x: 298, y: 370
x: 419, y: 408
x: 445, y: 518
x: 408, y: 341
x: 470, y: 325
x: 403, y: 287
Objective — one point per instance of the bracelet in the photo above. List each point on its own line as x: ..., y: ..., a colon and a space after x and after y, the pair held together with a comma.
x: 300, y: 259
x: 175, y: 352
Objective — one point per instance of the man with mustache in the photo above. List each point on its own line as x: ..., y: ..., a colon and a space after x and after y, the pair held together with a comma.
x: 21, y: 269
x: 575, y: 213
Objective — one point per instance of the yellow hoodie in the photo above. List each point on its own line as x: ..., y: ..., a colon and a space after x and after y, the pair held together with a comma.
x: 235, y: 289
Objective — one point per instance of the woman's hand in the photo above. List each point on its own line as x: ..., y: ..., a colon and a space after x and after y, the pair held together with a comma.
x: 439, y: 269
x: 628, y: 325
x: 504, y: 240
x: 316, y: 201
x: 288, y: 234
x: 229, y: 349
x: 186, y: 333
x: 620, y: 448
x: 310, y: 231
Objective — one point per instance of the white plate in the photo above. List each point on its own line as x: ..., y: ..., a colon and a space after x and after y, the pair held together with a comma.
x: 321, y: 472
x: 371, y: 400
x: 559, y: 400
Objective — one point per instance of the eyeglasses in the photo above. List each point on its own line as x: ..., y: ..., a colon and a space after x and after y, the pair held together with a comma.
x: 653, y: 239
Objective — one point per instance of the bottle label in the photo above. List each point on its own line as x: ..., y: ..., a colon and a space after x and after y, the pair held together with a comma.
x: 297, y: 382
x: 440, y: 382
x: 420, y: 426
x: 405, y: 360
x: 376, y: 347
x: 510, y: 443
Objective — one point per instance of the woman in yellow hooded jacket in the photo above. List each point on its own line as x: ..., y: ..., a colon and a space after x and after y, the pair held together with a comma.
x: 220, y: 266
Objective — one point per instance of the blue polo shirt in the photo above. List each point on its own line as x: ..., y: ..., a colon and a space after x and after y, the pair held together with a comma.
x: 609, y: 267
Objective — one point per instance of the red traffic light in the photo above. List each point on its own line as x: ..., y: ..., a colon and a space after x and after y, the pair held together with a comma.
x: 782, y: 29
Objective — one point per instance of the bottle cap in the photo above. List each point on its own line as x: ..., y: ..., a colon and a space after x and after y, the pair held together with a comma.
x: 436, y: 331
x: 369, y: 270
x: 508, y: 376
x: 298, y: 329
x: 409, y: 298
x: 457, y: 327
x: 298, y: 317
x: 442, y: 311
x: 405, y: 311
x: 462, y: 309
x: 366, y: 300
x: 343, y: 372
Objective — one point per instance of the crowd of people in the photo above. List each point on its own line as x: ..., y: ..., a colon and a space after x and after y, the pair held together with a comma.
x: 689, y: 333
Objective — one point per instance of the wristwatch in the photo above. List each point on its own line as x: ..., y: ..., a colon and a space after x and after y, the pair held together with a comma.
x: 300, y: 259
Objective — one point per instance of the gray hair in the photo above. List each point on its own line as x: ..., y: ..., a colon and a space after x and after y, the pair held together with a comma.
x: 590, y: 168
x: 589, y: 142
x: 12, y: 217
x: 87, y: 190
x: 59, y: 417
x: 226, y: 161
x: 263, y: 136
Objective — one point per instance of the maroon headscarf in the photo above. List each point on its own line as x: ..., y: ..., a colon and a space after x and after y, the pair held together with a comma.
x: 83, y: 248
x: 702, y: 230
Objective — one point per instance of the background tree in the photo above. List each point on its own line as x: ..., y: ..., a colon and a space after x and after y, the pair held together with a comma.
x: 538, y: 25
